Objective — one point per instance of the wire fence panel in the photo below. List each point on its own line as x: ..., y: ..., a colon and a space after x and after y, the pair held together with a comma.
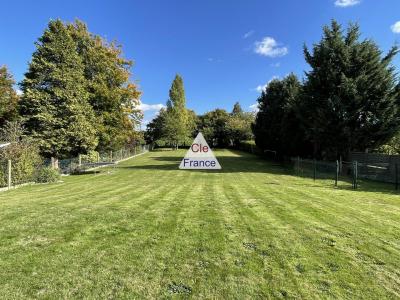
x: 18, y: 172
x: 377, y: 167
x: 3, y: 173
x: 84, y: 163
x: 334, y: 173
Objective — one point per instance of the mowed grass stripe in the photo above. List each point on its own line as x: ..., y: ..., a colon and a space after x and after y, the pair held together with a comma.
x: 145, y: 229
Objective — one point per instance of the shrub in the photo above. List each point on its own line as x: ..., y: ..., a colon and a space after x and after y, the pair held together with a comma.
x: 23, y: 153
x: 90, y: 157
x: 47, y: 175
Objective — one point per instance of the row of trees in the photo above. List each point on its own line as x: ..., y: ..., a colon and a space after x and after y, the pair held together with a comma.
x: 76, y: 95
x: 176, y: 125
x: 348, y: 101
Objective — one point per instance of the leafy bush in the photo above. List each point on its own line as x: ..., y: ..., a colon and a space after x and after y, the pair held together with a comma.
x: 23, y: 153
x: 90, y: 157
x: 47, y: 175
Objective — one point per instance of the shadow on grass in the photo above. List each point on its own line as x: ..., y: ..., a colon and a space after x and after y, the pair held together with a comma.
x: 243, y: 162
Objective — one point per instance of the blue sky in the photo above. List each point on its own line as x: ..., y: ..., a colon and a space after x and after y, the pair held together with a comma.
x: 225, y: 50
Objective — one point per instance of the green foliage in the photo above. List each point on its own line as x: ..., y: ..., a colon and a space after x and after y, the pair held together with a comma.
x: 113, y: 97
x: 348, y: 102
x: 214, y: 126
x: 154, y: 129
x: 239, y: 126
x: 237, y: 109
x: 55, y: 105
x: 91, y: 156
x: 23, y: 153
x: 8, y: 97
x: 276, y: 127
x: 351, y: 101
x: 47, y: 175
x: 174, y: 125
x: 392, y: 147
x: 177, y: 97
x: 77, y: 93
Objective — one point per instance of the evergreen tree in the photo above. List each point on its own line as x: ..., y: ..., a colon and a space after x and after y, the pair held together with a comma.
x: 351, y: 102
x: 237, y: 109
x: 277, y: 127
x: 8, y: 97
x: 55, y: 104
x: 155, y: 129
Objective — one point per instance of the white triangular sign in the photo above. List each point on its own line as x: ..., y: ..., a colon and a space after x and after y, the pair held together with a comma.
x: 200, y: 156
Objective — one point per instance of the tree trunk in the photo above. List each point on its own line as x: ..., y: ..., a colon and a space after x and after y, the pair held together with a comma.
x: 54, y: 163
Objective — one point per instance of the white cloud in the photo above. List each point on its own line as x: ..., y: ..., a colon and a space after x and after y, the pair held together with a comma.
x: 346, y: 3
x: 212, y: 59
x: 276, y: 65
x: 248, y: 34
x: 254, y: 107
x: 269, y: 47
x: 261, y: 88
x: 149, y: 107
x: 396, y: 27
x: 19, y: 92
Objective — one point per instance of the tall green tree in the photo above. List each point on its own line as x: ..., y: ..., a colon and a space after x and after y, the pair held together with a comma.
x: 351, y: 97
x: 214, y: 126
x: 237, y: 109
x: 8, y: 97
x: 178, y: 126
x: 277, y: 126
x: 114, y: 98
x: 55, y: 103
x: 239, y: 125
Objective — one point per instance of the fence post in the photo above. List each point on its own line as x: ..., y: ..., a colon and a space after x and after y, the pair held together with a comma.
x: 355, y: 174
x: 337, y: 173
x: 9, y: 174
x: 315, y: 169
x: 396, y: 169
x: 79, y: 161
x: 111, y: 156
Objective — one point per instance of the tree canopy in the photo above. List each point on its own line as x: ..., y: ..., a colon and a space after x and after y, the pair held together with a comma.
x: 8, y: 97
x: 55, y: 103
x: 349, y: 100
x: 77, y: 95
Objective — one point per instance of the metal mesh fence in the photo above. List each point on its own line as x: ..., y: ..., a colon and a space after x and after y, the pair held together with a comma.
x: 84, y: 163
x: 17, y: 173
x: 347, y: 173
x: 339, y: 174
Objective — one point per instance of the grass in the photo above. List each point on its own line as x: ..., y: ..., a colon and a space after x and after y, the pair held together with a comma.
x: 148, y: 230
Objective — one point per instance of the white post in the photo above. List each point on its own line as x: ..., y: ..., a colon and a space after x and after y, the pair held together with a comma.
x: 9, y: 174
x: 79, y: 160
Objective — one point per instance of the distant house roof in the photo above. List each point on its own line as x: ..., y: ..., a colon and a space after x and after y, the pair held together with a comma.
x: 4, y: 145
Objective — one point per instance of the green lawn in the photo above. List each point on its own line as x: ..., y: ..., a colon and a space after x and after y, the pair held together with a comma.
x: 148, y: 230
